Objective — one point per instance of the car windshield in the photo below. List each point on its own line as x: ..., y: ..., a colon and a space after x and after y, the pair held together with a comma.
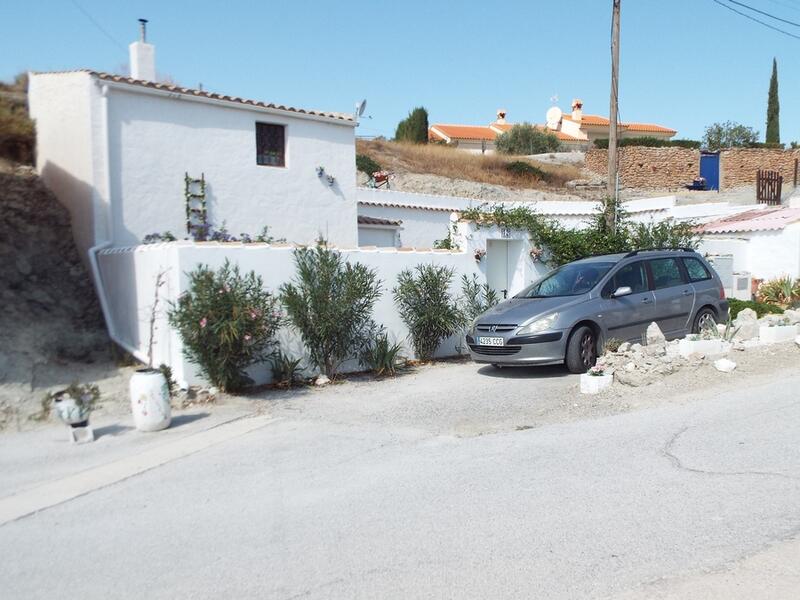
x: 570, y: 280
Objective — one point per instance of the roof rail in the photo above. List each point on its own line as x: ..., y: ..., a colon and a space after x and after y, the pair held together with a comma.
x: 681, y: 249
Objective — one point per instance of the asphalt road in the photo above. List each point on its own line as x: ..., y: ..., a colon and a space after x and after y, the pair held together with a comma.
x: 303, y: 508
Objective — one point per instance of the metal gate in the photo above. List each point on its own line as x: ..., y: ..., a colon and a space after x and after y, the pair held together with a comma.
x: 709, y: 169
x: 768, y: 187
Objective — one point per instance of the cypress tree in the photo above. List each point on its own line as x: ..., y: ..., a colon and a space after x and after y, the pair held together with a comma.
x: 414, y: 128
x: 773, y: 108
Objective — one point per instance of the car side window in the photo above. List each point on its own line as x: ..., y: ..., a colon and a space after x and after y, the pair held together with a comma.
x: 666, y: 272
x: 632, y: 276
x: 697, y: 271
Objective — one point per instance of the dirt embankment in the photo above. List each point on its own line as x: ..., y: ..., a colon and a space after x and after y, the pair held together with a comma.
x: 49, y: 316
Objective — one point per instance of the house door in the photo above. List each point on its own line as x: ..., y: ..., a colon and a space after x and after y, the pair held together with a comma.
x: 502, y: 257
x: 709, y: 169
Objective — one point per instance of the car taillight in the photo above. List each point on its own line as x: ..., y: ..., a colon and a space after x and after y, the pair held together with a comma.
x: 722, y: 293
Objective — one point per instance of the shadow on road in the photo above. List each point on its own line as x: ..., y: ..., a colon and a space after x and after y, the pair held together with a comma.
x: 111, y: 430
x: 545, y: 372
x: 186, y: 419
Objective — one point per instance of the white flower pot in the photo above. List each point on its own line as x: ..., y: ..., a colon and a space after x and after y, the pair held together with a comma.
x: 69, y: 411
x: 150, y: 400
x: 687, y: 347
x: 779, y: 333
x: 594, y: 384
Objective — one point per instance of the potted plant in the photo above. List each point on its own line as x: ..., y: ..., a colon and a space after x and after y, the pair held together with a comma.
x: 73, y: 406
x: 479, y: 254
x: 149, y: 389
x: 777, y: 330
x: 596, y: 379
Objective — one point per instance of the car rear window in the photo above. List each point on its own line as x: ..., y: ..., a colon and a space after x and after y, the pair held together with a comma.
x: 666, y: 272
x: 697, y: 270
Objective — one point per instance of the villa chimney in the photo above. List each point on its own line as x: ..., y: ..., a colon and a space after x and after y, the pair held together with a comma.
x: 577, y: 109
x: 501, y: 116
x: 143, y: 56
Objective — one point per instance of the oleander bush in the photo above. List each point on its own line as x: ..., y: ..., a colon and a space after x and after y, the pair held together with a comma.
x: 227, y: 322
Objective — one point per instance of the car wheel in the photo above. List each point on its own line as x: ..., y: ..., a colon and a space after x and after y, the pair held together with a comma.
x: 581, y: 350
x: 704, y: 318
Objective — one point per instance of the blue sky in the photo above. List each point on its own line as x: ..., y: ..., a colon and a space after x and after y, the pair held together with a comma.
x: 685, y: 63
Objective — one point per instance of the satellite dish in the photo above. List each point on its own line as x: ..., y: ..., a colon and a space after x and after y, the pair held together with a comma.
x: 553, y: 117
x: 360, y: 107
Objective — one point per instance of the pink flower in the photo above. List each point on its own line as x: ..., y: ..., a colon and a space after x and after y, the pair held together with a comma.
x: 253, y: 314
x: 203, y: 322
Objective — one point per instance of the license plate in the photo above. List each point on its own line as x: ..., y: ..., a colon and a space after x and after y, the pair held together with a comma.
x: 490, y: 341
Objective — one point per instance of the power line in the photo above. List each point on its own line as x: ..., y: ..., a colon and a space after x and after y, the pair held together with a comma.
x: 793, y: 7
x: 746, y: 16
x: 761, y: 12
x: 99, y: 27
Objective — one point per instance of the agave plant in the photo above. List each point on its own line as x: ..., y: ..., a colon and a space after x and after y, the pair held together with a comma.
x: 382, y: 356
x: 782, y: 291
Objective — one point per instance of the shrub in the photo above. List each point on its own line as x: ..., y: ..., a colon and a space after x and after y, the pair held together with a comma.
x: 736, y: 306
x: 227, y: 322
x: 366, y: 165
x: 424, y: 303
x: 17, y: 132
x: 382, y: 356
x: 526, y: 139
x: 413, y: 128
x: 285, y: 369
x: 330, y: 304
x: 729, y: 135
x: 476, y: 298
x: 781, y: 290
x: 611, y: 345
x: 524, y: 169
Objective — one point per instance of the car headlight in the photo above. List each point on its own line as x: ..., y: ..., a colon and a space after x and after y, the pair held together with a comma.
x: 538, y: 325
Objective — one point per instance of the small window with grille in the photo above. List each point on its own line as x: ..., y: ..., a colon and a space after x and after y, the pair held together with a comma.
x: 271, y: 145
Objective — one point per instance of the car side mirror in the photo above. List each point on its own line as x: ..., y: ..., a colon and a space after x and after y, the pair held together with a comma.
x: 622, y: 291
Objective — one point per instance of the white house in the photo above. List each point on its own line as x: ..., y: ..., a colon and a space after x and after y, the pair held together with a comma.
x: 115, y: 150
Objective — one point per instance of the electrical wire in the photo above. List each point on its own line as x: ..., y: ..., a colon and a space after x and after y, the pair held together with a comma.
x: 99, y: 27
x: 766, y: 14
x: 746, y: 16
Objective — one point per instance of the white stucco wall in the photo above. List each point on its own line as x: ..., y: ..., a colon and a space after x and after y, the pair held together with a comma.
x: 764, y: 254
x: 421, y: 227
x: 129, y: 278
x: 155, y: 139
x: 382, y: 237
x: 66, y: 108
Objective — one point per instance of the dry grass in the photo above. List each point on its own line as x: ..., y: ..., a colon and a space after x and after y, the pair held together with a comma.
x: 437, y: 159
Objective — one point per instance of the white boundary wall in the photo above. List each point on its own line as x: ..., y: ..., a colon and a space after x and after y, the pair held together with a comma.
x: 129, y: 276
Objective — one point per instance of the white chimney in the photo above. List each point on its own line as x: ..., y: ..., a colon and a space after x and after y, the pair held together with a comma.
x: 501, y: 116
x: 577, y: 109
x: 143, y: 56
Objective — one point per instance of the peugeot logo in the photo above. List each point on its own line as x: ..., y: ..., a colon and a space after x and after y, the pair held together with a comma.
x: 493, y: 328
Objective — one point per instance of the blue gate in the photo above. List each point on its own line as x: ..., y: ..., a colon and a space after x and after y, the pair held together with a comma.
x: 709, y: 169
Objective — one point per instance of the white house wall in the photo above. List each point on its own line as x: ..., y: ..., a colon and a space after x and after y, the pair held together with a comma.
x: 155, y: 139
x: 61, y: 104
x: 420, y: 228
x: 764, y: 254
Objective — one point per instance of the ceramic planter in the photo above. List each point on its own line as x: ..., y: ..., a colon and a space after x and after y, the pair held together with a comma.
x: 777, y: 334
x: 70, y: 411
x: 150, y: 400
x: 687, y: 347
x: 594, y: 384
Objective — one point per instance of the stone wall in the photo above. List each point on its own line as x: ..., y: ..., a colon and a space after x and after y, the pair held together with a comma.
x: 672, y: 168
x: 738, y: 166
x: 645, y: 167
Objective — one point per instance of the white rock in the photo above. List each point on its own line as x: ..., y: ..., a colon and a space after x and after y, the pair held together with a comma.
x: 724, y: 365
x: 624, y: 347
x: 797, y: 340
x: 594, y: 384
x: 747, y: 324
x: 792, y: 315
x: 654, y: 335
x: 322, y: 380
x: 630, y: 367
x: 212, y: 391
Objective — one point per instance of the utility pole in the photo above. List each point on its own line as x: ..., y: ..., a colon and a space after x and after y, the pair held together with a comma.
x: 612, y: 117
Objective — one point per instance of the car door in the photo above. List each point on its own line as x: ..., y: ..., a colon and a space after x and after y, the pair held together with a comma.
x: 674, y: 296
x: 627, y: 317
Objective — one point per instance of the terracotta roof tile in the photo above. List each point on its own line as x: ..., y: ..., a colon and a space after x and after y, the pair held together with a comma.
x: 771, y: 219
x: 365, y: 220
x: 462, y: 132
x: 175, y: 89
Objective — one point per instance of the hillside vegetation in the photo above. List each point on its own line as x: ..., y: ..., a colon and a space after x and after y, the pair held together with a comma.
x: 437, y: 159
x: 16, y: 129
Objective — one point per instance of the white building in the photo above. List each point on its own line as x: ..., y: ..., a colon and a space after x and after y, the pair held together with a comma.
x: 115, y: 151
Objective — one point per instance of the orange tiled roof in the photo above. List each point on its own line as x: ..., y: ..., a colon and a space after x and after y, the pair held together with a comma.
x: 461, y: 132
x: 598, y: 121
x: 649, y: 127
x: 564, y: 137
x: 591, y: 120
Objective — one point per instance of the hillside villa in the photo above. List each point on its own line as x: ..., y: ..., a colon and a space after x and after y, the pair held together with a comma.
x: 575, y: 131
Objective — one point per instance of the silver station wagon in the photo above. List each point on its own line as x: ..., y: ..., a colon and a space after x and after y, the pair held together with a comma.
x: 567, y: 315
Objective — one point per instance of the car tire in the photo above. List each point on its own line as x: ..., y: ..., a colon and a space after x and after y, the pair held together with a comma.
x: 703, y: 315
x: 581, y: 350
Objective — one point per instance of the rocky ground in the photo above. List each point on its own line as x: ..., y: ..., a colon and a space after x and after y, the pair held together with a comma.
x: 51, y: 324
